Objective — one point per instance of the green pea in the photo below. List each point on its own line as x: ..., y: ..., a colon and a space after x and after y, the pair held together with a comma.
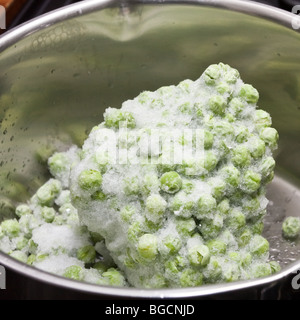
x: 213, y: 271
x: 259, y: 245
x: 21, y: 243
x: 115, y: 278
x: 134, y: 231
x: 100, y: 266
x: 275, y: 266
x: 74, y: 273
x: 191, y: 278
x: 127, y: 212
x: 31, y: 259
x: 224, y: 207
x: 236, y: 220
x: 10, y: 227
x: 211, y: 74
x: 96, y: 237
x: 155, y: 207
x: 249, y: 93
x: 147, y: 246
x: 242, y: 134
x: 185, y: 227
x: 231, y: 272
x: 251, y: 181
x: 216, y: 247
x: 171, y: 245
x: 206, y: 204
x: 217, y: 104
x: 48, y: 214
x: 199, y: 255
x: 231, y: 175
x: 260, y: 270
x: 171, y: 182
x: 218, y: 187
x: 208, y: 139
x: 270, y: 136
x: 132, y: 186
x: 231, y: 75
x: 90, y: 180
x: 186, y: 85
x: 241, y: 156
x: 87, y: 254
x: 22, y: 210
x: 211, y: 228
x: 114, y: 118
x: 236, y: 106
x: 223, y: 88
x: 145, y: 97
x: 267, y: 166
x: 182, y: 207
x: 47, y: 193
x: 257, y: 148
x: 245, y: 237
x: 150, y: 183
x: 262, y: 119
x: 210, y: 161
x: 58, y: 163
x: 291, y: 227
x: 175, y: 265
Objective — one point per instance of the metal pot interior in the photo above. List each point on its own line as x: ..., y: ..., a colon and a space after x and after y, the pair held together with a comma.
x: 58, y: 75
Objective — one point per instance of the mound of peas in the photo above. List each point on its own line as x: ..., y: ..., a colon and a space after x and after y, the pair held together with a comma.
x: 171, y: 187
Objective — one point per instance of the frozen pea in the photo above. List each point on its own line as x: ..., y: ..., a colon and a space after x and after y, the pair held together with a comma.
x: 210, y: 228
x: 99, y: 195
x: 175, y: 265
x: 270, y: 136
x: 231, y: 175
x: 236, y: 220
x: 21, y: 243
x: 260, y: 270
x: 170, y: 245
x: 96, y: 237
x: 132, y: 186
x: 185, y: 227
x: 155, y: 207
x: 267, y: 166
x: 147, y: 246
x: 262, y: 119
x: 257, y: 227
x: 187, y: 186
x: 100, y: 266
x: 217, y: 104
x: 231, y: 272
x: 236, y: 106
x: 22, y: 210
x: 210, y: 161
x: 231, y: 75
x: 74, y: 273
x: 10, y: 227
x: 218, y: 187
x: 185, y: 85
x: 150, y: 183
x: 216, y: 247
x: 291, y: 227
x: 246, y: 259
x: 87, y: 254
x: 206, y: 204
x: 127, y: 212
x: 245, y: 237
x: 224, y: 207
x: 211, y: 74
x: 115, y: 277
x: 275, y: 266
x: 19, y: 255
x: 258, y: 245
x: 213, y: 271
x: 249, y: 93
x: 208, y: 139
x: 171, y: 182
x: 185, y: 108
x: 31, y: 259
x: 58, y: 163
x: 251, y: 181
x: 234, y: 256
x: 242, y: 134
x: 223, y: 88
x: 114, y: 118
x: 182, y: 206
x: 241, y: 156
x: 90, y: 180
x: 145, y: 96
x: 134, y: 231
x: 47, y: 193
x: 191, y: 278
x: 48, y: 214
x: 199, y: 255
x: 257, y: 148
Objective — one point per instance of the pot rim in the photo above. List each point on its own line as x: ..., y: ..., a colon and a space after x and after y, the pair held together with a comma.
x: 11, y: 37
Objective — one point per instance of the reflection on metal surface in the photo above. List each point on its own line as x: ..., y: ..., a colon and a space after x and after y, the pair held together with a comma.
x: 58, y: 76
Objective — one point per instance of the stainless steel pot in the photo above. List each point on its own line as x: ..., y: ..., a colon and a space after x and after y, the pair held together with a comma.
x: 60, y: 71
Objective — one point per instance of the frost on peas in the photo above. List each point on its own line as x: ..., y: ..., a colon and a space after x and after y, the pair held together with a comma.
x: 216, y: 247
x: 291, y: 227
x: 127, y: 212
x: 182, y: 206
x: 210, y: 161
x: 150, y: 183
x: 218, y: 187
x: 262, y: 119
x: 236, y: 106
x: 208, y: 139
x: 275, y: 266
x: 257, y: 148
x: 114, y: 118
x: 191, y: 278
x: 170, y: 245
x: 115, y: 277
x: 249, y: 93
x: 206, y: 205
x: 132, y: 186
x: 48, y: 214
x: 185, y: 227
x: 19, y: 255
x: 90, y: 180
x: 260, y: 270
x: 236, y: 221
x: 211, y: 74
x: 58, y: 163
x: 211, y: 227
x: 231, y: 175
x: 148, y: 246
x: 267, y: 166
x: 22, y: 210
